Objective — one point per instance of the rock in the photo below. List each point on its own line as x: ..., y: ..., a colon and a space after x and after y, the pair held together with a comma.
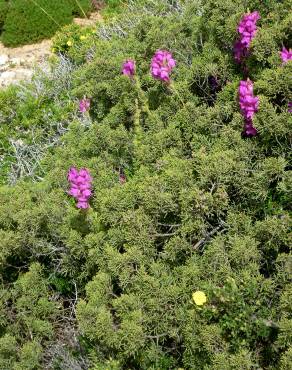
x: 16, y: 61
x: 18, y: 64
x: 3, y: 59
x: 7, y: 78
x: 8, y: 75
x: 23, y: 73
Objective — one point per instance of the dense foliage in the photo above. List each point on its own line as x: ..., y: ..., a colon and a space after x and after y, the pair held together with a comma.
x: 27, y: 21
x: 182, y: 260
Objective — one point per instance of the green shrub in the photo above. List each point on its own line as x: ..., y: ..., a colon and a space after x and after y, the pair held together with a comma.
x: 33, y: 20
x: 112, y: 8
x: 202, y: 209
x: 80, y: 8
x: 4, y: 8
x: 70, y: 36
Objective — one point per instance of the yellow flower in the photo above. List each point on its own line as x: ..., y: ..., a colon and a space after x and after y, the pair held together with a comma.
x: 69, y: 43
x: 82, y: 37
x: 199, y: 298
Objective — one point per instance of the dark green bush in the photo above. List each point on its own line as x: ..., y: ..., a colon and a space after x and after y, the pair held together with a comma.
x: 80, y: 8
x: 4, y: 8
x: 201, y: 208
x: 28, y: 21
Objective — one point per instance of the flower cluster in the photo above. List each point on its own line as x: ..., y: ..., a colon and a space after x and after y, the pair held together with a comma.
x: 129, y: 68
x: 248, y: 106
x: 290, y: 106
x: 84, y: 105
x: 247, y: 29
x: 162, y: 64
x: 247, y: 101
x: 80, y: 182
x: 199, y: 298
x: 286, y: 55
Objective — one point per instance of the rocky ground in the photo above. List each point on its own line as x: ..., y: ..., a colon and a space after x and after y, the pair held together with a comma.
x: 17, y: 64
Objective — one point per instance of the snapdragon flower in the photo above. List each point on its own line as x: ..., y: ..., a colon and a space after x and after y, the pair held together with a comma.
x: 247, y: 27
x: 286, y: 55
x: 80, y: 182
x: 161, y: 65
x: 247, y: 101
x: 84, y: 105
x: 247, y: 30
x: 129, y: 68
x: 240, y: 52
x: 249, y: 106
x: 248, y: 129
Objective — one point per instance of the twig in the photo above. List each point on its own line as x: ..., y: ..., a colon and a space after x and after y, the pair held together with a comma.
x: 164, y: 235
x: 156, y: 336
x: 171, y: 226
x: 209, y: 235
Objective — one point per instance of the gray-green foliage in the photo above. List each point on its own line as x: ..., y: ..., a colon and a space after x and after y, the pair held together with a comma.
x: 201, y: 209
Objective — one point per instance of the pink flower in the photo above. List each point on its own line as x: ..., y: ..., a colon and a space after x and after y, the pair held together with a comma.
x: 248, y: 129
x: 247, y: 29
x: 84, y: 105
x: 286, y: 55
x: 72, y: 174
x: 80, y: 182
x: 161, y: 65
x: 240, y: 52
x: 290, y: 107
x: 247, y: 101
x: 249, y: 106
x: 129, y: 68
x: 83, y: 205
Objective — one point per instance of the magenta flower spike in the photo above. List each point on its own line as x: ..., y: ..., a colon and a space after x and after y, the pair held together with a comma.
x: 249, y: 106
x: 84, y: 105
x: 290, y: 107
x: 240, y: 52
x: 247, y: 30
x: 129, y: 68
x: 161, y: 65
x: 248, y: 129
x: 247, y: 27
x: 122, y: 178
x: 247, y: 101
x: 286, y: 55
x: 80, y: 182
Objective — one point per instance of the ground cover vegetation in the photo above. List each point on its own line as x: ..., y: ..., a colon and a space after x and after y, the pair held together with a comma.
x: 145, y: 194
x: 27, y: 21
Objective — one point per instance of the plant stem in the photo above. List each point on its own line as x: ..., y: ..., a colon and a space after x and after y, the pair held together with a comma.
x: 173, y: 89
x: 142, y: 96
x: 80, y: 7
x: 44, y: 10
